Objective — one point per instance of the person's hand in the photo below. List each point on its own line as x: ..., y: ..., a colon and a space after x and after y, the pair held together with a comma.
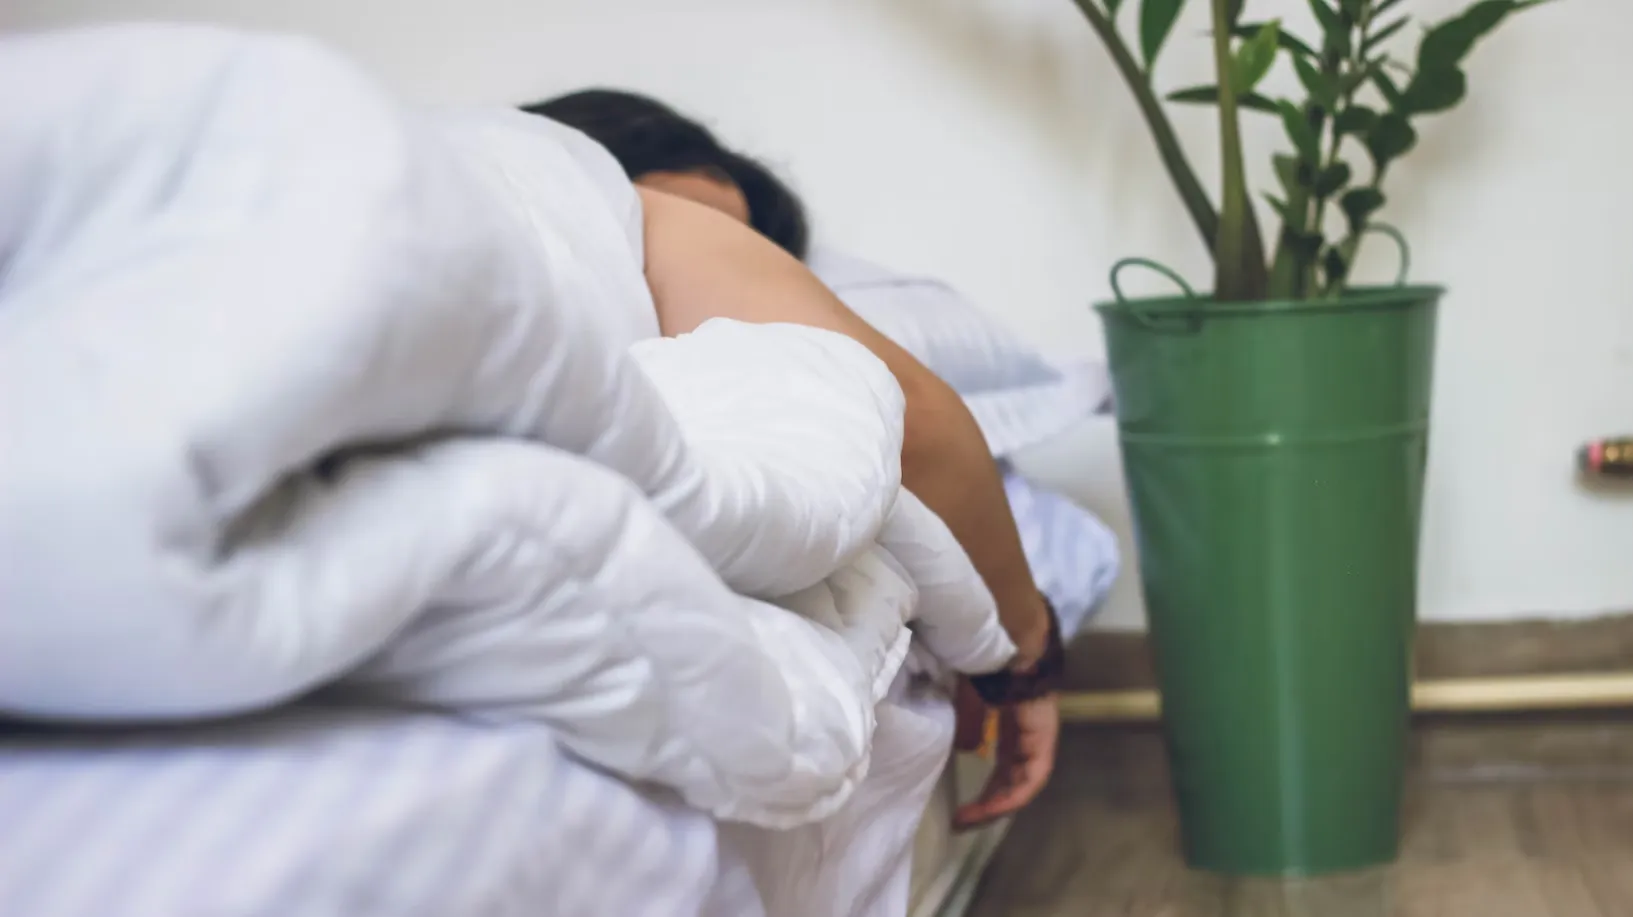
x: 1028, y: 734
x: 969, y: 718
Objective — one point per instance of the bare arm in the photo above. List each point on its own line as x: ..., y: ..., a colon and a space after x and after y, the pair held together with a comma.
x: 703, y: 265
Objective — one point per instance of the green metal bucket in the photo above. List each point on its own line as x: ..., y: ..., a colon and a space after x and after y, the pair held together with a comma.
x: 1274, y: 454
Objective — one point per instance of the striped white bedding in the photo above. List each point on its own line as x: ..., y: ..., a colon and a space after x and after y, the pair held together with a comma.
x: 333, y: 812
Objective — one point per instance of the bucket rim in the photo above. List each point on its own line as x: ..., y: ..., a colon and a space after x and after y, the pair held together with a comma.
x: 1362, y: 298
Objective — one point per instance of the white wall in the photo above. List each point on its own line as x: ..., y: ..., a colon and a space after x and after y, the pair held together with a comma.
x: 990, y: 142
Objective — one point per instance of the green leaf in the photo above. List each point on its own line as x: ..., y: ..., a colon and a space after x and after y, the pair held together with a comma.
x: 1233, y: 12
x: 1297, y: 177
x: 1356, y: 119
x: 1254, y: 58
x: 1288, y: 41
x: 1299, y: 130
x: 1335, y: 43
x: 1359, y: 204
x: 1335, y: 267
x: 1384, y: 7
x: 1387, y: 88
x: 1112, y: 6
x: 1304, y: 245
x: 1292, y: 173
x: 1334, y: 33
x: 1434, y: 90
x: 1332, y: 179
x: 1352, y: 9
x: 1389, y: 139
x: 1335, y: 47
x: 1326, y: 16
x: 1446, y: 44
x: 1352, y: 80
x: 1384, y: 34
x: 1209, y: 95
x: 1319, y: 85
x: 1157, y: 18
x: 1316, y: 116
x: 1278, y: 205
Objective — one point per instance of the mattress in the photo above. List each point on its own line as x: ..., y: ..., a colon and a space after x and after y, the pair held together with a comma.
x: 318, y: 811
x: 324, y: 810
x: 948, y: 864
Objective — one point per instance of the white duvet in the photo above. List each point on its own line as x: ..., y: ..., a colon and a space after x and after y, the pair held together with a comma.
x: 304, y: 390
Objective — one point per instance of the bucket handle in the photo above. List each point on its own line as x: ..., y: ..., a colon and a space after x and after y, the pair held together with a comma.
x: 1395, y: 235
x: 1191, y: 323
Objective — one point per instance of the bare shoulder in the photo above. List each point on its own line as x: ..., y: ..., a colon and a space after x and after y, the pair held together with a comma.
x: 701, y: 264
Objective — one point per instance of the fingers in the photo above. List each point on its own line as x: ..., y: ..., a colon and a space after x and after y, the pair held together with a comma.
x: 1015, y: 784
x: 1034, y: 771
x: 1026, y: 757
x: 1004, y: 795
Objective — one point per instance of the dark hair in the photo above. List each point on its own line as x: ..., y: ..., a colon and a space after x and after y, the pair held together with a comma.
x: 647, y: 136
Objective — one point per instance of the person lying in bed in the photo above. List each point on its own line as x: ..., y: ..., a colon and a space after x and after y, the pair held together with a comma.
x: 201, y: 205
x: 708, y: 212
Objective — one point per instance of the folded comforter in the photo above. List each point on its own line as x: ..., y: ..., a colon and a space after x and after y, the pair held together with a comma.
x: 302, y: 389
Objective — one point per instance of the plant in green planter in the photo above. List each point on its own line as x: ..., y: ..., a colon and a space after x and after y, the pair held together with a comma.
x: 1358, y: 98
x: 1274, y: 435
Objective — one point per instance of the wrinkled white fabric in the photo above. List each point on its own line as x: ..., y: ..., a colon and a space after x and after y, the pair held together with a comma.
x: 305, y: 389
x: 230, y: 259
x: 355, y: 812
x: 1018, y: 397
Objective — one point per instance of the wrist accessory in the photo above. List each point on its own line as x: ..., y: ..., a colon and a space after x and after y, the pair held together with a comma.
x: 1009, y: 686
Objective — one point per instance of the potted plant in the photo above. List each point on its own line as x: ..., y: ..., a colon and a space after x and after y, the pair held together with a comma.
x: 1274, y: 434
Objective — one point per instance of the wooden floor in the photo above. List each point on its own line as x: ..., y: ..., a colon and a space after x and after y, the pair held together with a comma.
x: 1476, y: 845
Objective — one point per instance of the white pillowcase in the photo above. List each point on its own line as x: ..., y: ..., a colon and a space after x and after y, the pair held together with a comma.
x: 1018, y: 397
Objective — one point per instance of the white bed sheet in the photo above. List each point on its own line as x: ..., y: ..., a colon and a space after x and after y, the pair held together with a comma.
x: 341, y: 812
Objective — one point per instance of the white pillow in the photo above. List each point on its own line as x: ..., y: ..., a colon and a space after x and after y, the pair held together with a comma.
x: 1018, y: 397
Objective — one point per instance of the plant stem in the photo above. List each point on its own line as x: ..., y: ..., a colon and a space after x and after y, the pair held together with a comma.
x: 1315, y: 283
x: 1179, y: 169
x: 1238, y: 254
x: 1350, y: 245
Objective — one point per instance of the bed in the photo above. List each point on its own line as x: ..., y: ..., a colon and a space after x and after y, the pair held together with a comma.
x: 947, y: 866
x: 322, y: 810
x: 362, y: 560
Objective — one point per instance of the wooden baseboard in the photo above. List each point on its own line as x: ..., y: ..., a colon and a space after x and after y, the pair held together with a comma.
x: 1451, y: 696
x: 1130, y: 758
x: 1562, y: 743
x: 1121, y: 661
